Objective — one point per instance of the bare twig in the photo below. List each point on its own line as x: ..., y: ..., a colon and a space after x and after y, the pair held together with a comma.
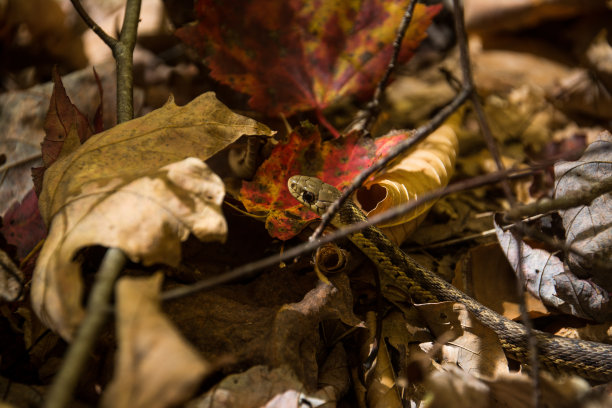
x: 419, y: 135
x: 250, y: 269
x: 74, y: 362
x: 108, y: 40
x: 492, y: 147
x: 373, y: 108
x: 583, y: 197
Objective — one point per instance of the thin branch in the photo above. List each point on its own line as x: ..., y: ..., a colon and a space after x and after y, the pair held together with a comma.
x: 123, y: 53
x: 19, y: 162
x: 76, y: 358
x: 108, y: 40
x: 373, y: 108
x: 250, y: 269
x: 77, y: 355
x: 419, y: 135
x: 582, y: 197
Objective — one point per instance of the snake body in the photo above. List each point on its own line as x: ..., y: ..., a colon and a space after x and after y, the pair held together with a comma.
x: 403, y: 279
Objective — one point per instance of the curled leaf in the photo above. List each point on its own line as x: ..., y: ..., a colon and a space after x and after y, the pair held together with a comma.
x: 426, y: 167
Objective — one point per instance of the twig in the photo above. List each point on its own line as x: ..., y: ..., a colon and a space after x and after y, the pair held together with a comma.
x: 67, y: 378
x: 492, y: 147
x: 19, y: 162
x: 250, y: 269
x: 373, y: 108
x: 123, y: 50
x: 74, y: 362
x: 582, y: 197
x: 108, y: 40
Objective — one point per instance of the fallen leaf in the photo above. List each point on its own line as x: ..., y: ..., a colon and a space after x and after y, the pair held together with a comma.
x: 155, y: 366
x: 491, y: 15
x: 469, y: 344
x: 22, y: 115
x: 337, y: 162
x: 115, y: 191
x: 11, y: 279
x: 262, y: 386
x: 495, y: 290
x: 22, y: 225
x: 547, y: 279
x: 62, y: 118
x: 426, y: 167
x: 454, y: 388
x: 273, y: 320
x: 294, y: 56
x: 142, y: 145
x: 147, y: 217
x: 588, y: 228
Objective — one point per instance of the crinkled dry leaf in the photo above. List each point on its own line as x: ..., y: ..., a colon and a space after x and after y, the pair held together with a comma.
x: 273, y: 320
x: 114, y: 191
x: 11, y: 279
x: 428, y: 166
x: 588, y: 228
x: 261, y: 386
x: 495, y: 15
x: 62, y: 118
x: 143, y: 145
x: 22, y: 114
x: 454, y: 388
x: 472, y: 346
x: 382, y: 381
x: 147, y: 217
x: 494, y: 290
x: 547, y: 279
x: 155, y: 366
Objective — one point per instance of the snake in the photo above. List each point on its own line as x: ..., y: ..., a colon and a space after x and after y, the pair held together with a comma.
x: 403, y: 279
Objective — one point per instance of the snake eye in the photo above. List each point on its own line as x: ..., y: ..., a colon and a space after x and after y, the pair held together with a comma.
x: 308, y: 197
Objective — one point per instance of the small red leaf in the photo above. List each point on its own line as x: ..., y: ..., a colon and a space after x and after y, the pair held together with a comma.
x: 337, y: 162
x: 61, y: 117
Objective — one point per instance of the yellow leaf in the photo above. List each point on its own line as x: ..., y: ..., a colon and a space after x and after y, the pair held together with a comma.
x: 426, y: 167
x: 156, y: 366
x: 128, y: 188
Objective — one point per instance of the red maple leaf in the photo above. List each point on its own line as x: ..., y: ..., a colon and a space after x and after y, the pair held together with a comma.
x: 300, y: 55
x: 337, y: 162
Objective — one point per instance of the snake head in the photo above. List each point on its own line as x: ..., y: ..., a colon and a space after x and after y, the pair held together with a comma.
x: 313, y: 193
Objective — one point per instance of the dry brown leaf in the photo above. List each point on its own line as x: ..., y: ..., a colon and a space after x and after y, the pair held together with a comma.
x: 496, y: 15
x: 456, y: 389
x: 114, y: 191
x: 426, y: 167
x: 474, y: 347
x: 22, y: 114
x: 384, y: 384
x: 11, y: 279
x: 490, y: 280
x: 273, y: 320
x: 143, y: 145
x: 147, y: 218
x: 261, y: 386
x: 155, y: 366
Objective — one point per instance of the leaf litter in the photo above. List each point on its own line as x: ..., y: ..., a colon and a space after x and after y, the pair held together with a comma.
x: 243, y: 325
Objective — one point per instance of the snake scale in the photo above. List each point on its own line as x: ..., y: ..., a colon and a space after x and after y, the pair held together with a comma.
x: 403, y: 279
